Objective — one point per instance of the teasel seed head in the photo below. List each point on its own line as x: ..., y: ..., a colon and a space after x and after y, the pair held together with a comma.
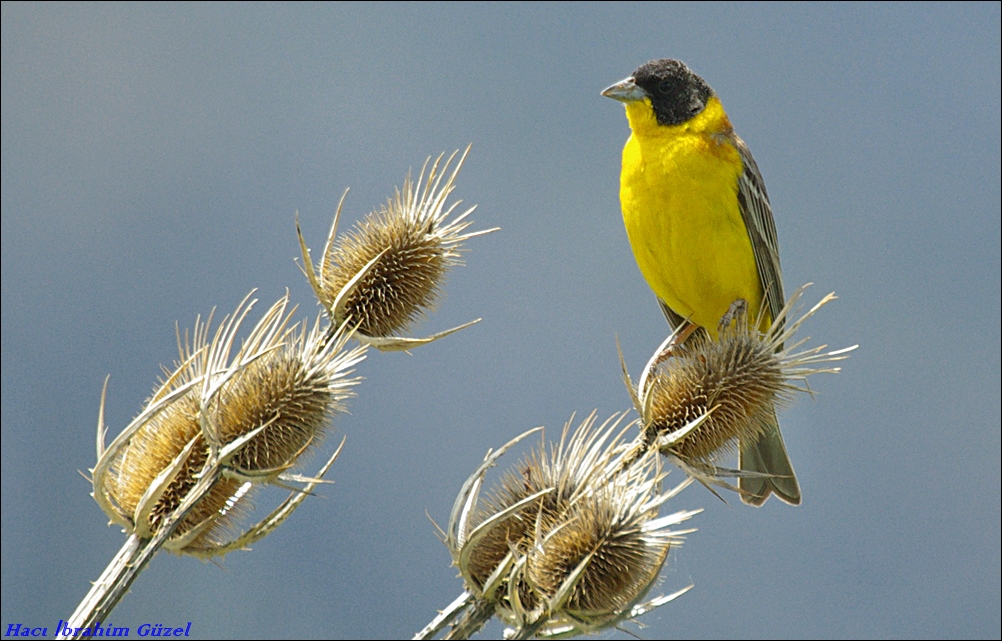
x: 737, y: 376
x: 295, y: 390
x: 595, y: 563
x: 253, y: 414
x: 570, y: 539
x: 387, y: 272
x: 546, y: 481
x: 702, y: 396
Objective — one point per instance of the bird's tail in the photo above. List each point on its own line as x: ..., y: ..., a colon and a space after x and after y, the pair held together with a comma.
x: 767, y: 455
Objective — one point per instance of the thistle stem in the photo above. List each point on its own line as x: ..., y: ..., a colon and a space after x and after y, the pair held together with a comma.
x: 474, y: 618
x: 133, y: 557
x: 446, y: 616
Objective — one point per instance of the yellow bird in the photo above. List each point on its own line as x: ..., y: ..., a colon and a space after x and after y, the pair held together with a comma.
x: 701, y: 228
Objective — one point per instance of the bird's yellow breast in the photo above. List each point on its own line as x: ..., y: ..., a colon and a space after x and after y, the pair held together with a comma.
x: 679, y: 193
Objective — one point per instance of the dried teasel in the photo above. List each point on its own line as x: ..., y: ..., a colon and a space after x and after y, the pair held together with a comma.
x: 699, y: 397
x: 387, y: 272
x: 545, y: 482
x: 254, y: 415
x: 569, y: 541
x: 593, y: 566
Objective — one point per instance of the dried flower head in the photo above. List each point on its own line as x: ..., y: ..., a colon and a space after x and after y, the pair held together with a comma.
x: 700, y: 397
x: 570, y: 540
x: 546, y: 482
x: 388, y: 271
x: 254, y: 415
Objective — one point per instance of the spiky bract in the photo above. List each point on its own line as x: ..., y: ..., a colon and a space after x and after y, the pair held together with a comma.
x: 606, y: 536
x: 699, y: 398
x: 278, y: 393
x: 403, y: 282
x: 387, y: 272
x: 557, y: 475
x: 738, y: 377
x: 569, y: 541
x: 292, y: 392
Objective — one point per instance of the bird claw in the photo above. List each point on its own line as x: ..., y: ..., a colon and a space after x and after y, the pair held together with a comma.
x: 737, y: 310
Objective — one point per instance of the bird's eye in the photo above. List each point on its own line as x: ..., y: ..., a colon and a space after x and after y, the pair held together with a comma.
x: 664, y: 86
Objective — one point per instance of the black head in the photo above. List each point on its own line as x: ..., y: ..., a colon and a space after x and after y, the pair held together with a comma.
x: 675, y: 91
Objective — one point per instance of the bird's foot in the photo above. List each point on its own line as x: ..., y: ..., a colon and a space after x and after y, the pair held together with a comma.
x: 737, y: 310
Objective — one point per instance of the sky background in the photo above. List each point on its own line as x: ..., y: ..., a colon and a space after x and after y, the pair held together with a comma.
x: 153, y: 159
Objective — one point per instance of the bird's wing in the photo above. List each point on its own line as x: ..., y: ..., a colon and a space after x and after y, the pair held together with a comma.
x: 674, y: 318
x: 757, y: 214
x: 766, y: 454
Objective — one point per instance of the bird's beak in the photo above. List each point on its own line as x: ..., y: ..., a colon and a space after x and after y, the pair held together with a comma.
x: 625, y: 90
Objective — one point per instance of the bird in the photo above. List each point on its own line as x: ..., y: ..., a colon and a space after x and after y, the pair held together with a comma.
x: 699, y: 222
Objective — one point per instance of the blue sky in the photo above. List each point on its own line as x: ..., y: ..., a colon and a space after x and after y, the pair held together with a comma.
x: 153, y: 159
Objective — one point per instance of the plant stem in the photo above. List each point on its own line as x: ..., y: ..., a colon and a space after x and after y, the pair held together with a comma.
x: 132, y: 558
